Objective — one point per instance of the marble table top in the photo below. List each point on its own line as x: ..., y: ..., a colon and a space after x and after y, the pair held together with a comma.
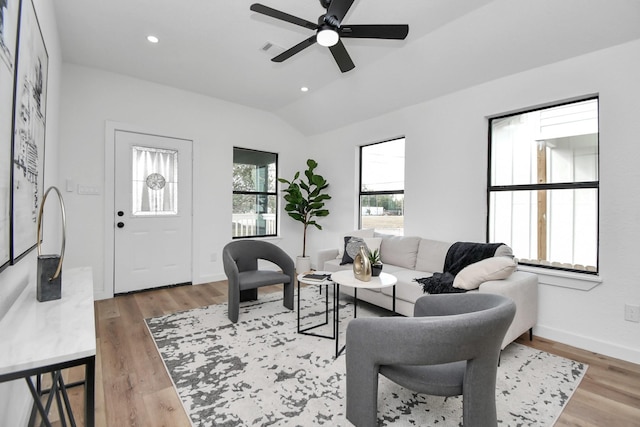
x: 36, y: 334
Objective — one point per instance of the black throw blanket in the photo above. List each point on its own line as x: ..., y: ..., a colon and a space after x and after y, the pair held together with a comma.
x: 459, y: 255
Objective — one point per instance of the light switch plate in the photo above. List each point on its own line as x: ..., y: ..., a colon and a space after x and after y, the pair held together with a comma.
x: 88, y: 190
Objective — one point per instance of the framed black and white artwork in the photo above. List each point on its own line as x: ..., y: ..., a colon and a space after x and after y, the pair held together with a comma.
x: 8, y: 32
x: 29, y: 125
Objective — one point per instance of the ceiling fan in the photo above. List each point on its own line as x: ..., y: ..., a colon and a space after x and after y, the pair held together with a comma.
x: 329, y: 31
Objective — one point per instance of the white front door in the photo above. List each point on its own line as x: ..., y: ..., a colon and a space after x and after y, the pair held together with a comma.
x: 152, y: 211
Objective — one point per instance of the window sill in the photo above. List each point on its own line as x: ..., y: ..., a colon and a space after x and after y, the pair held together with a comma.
x: 564, y: 279
x: 272, y: 238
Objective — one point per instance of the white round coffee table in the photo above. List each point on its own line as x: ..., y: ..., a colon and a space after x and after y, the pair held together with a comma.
x: 347, y: 278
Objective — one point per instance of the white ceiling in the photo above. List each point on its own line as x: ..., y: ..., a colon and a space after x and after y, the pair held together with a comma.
x: 213, y: 47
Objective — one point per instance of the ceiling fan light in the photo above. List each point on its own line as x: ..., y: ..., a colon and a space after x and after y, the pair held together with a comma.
x: 327, y: 37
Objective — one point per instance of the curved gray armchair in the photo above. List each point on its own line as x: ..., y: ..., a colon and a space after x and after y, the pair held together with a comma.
x: 451, y: 347
x: 240, y: 259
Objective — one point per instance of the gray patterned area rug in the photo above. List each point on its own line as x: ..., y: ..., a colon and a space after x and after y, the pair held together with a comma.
x: 260, y: 372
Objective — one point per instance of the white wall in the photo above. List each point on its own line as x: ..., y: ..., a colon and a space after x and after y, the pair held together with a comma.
x: 91, y: 97
x: 446, y: 179
x: 15, y: 400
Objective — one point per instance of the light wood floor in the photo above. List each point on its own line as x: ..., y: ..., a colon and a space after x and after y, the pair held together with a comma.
x: 133, y: 388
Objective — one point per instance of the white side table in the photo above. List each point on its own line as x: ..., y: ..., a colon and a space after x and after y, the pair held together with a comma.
x: 45, y: 337
x: 347, y: 278
x: 326, y: 282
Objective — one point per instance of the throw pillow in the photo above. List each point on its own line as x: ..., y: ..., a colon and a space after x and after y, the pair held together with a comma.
x: 373, y: 243
x: 366, y: 232
x: 351, y: 247
x: 504, y: 250
x: 494, y: 268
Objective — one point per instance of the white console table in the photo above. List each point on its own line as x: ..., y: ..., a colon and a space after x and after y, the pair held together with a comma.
x: 42, y: 337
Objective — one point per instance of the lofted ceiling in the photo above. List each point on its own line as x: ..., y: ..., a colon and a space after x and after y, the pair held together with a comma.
x: 215, y: 48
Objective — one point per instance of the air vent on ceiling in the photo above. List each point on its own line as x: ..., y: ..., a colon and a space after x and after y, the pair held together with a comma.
x: 272, y: 49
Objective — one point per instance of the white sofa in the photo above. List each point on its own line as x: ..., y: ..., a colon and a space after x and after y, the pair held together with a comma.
x: 410, y: 258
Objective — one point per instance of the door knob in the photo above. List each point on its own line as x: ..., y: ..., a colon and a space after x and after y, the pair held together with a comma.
x: 120, y: 213
x: 120, y: 224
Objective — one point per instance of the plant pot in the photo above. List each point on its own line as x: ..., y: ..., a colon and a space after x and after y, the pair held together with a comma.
x: 376, y: 270
x: 303, y: 264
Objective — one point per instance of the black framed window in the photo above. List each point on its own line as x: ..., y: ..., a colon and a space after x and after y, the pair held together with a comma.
x: 543, y: 189
x: 382, y: 186
x: 255, y: 197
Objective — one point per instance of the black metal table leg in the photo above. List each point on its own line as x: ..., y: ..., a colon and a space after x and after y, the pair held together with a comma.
x: 340, y: 350
x: 394, y: 300
x: 298, y: 306
x: 90, y: 393
x: 336, y: 309
x: 36, y: 399
x: 355, y: 302
x: 67, y: 404
x: 306, y: 330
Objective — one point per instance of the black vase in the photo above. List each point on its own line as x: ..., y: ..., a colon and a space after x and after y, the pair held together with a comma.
x: 376, y: 270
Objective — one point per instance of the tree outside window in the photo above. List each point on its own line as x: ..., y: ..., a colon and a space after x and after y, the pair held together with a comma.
x: 382, y: 186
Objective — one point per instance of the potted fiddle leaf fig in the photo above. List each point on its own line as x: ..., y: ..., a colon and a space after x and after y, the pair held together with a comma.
x: 305, y: 202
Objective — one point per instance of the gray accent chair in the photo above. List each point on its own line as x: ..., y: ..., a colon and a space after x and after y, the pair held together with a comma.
x: 240, y: 260
x: 451, y: 347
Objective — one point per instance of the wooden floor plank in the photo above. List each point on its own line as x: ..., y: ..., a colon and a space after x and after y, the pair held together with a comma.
x: 107, y: 308
x: 153, y: 304
x: 195, y: 296
x: 166, y: 408
x: 133, y: 388
x: 100, y: 409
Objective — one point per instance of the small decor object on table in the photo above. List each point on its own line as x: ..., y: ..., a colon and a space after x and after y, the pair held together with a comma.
x: 49, y: 277
x: 316, y: 277
x: 376, y: 264
x: 362, y: 266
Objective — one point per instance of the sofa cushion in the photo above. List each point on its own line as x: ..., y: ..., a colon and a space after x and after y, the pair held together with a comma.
x: 406, y: 288
x: 367, y: 232
x: 494, y: 268
x: 373, y: 243
x: 334, y: 265
x: 399, y: 250
x: 431, y: 255
x: 351, y: 247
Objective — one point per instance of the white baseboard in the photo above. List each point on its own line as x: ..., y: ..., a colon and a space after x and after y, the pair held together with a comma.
x: 211, y: 278
x: 587, y: 343
x: 102, y: 295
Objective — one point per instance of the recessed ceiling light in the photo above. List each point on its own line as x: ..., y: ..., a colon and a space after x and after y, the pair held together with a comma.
x: 152, y: 39
x: 304, y: 89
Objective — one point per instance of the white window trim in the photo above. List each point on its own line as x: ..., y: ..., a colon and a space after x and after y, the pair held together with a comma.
x: 563, y: 279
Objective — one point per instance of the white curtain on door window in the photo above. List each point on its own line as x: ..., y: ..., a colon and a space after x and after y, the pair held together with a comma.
x: 161, y: 198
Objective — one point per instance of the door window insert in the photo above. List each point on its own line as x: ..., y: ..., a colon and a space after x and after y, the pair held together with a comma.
x: 154, y: 181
